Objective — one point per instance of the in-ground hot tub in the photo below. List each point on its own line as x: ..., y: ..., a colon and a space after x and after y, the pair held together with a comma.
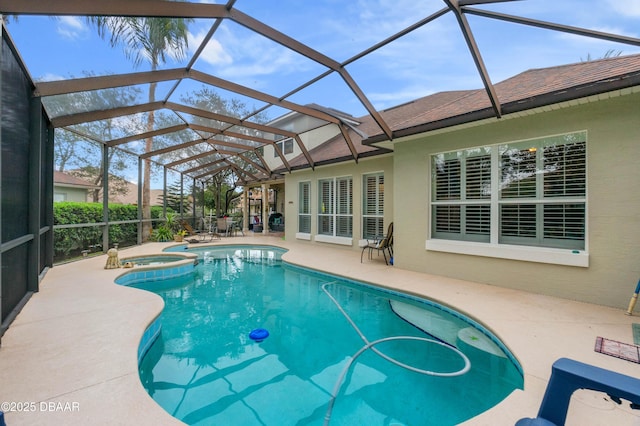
x: 154, y: 259
x: 157, y: 266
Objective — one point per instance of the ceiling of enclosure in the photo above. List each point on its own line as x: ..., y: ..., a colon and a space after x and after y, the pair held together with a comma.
x: 252, y: 74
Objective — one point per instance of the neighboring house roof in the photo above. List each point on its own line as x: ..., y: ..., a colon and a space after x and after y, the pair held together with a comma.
x: 69, y: 181
x: 131, y: 197
x: 66, y: 180
x: 530, y: 89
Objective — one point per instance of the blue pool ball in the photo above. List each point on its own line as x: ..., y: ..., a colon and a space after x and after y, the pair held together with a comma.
x: 259, y: 334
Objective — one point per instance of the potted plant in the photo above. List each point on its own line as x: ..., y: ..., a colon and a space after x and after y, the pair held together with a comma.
x: 162, y: 233
x: 174, y: 225
x: 178, y: 236
x: 169, y: 230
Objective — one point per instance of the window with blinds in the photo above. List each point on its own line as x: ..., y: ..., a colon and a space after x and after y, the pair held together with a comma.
x: 344, y: 207
x: 518, y: 173
x: 325, y: 207
x: 565, y: 174
x: 461, y: 207
x: 535, y: 189
x: 335, y: 207
x: 564, y: 221
x: 373, y: 206
x: 543, y: 193
x: 478, y: 177
x: 304, y: 207
x: 447, y: 179
x: 477, y: 220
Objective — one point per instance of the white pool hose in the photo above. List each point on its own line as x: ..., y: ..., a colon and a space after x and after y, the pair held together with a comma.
x: 371, y: 345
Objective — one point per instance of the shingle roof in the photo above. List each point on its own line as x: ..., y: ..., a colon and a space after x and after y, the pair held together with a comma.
x: 131, y: 196
x: 65, y: 179
x: 530, y: 89
x: 527, y: 90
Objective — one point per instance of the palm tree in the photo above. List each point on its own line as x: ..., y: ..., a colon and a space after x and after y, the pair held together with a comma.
x: 608, y: 54
x: 146, y: 40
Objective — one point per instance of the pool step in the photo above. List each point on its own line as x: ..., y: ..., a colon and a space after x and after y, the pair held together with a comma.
x: 446, y: 331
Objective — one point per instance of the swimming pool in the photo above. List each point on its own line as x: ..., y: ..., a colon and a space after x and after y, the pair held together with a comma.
x: 317, y: 366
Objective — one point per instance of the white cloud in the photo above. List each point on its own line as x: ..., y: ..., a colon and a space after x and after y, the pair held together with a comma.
x: 249, y: 59
x: 364, y: 23
x: 629, y: 9
x: 50, y: 77
x: 246, y: 56
x: 430, y: 59
x: 71, y: 27
x: 260, y: 59
x: 213, y: 53
x: 608, y: 30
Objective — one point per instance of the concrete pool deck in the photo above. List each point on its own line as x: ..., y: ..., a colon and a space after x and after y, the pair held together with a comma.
x: 70, y: 357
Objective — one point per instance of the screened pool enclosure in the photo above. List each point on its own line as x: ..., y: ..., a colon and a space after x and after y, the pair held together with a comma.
x: 182, y: 124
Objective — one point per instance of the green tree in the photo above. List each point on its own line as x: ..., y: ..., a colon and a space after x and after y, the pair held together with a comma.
x: 218, y: 195
x: 76, y: 152
x: 222, y: 189
x: 208, y: 99
x: 146, y: 40
x: 117, y: 184
x: 173, y: 198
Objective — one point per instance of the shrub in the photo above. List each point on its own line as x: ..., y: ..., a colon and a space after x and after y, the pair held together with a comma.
x: 70, y: 242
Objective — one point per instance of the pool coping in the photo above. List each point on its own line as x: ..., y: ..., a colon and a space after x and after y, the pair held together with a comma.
x: 81, y: 318
x: 183, y: 255
x: 142, y: 273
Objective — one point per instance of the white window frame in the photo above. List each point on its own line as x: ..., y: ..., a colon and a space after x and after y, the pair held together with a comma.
x: 285, y: 145
x: 304, y: 209
x: 505, y: 247
x: 333, y: 212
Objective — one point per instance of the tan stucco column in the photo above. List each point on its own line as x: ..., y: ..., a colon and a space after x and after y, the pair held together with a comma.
x: 245, y: 210
x: 265, y: 208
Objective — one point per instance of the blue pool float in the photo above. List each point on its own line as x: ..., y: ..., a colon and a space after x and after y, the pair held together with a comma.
x: 259, y: 334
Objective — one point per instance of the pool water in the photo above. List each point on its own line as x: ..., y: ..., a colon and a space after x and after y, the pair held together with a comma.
x: 314, y: 367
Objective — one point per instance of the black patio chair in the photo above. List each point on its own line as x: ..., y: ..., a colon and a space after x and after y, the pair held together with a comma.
x: 382, y: 244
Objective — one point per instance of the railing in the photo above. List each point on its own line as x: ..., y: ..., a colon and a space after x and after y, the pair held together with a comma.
x: 78, y: 240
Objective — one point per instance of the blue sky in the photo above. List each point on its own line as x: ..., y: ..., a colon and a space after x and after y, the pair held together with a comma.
x: 431, y: 59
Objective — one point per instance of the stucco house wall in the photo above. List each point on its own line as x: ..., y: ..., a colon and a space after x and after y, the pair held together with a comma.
x: 67, y: 193
x: 356, y: 171
x: 613, y: 202
x: 67, y: 187
x: 310, y: 139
